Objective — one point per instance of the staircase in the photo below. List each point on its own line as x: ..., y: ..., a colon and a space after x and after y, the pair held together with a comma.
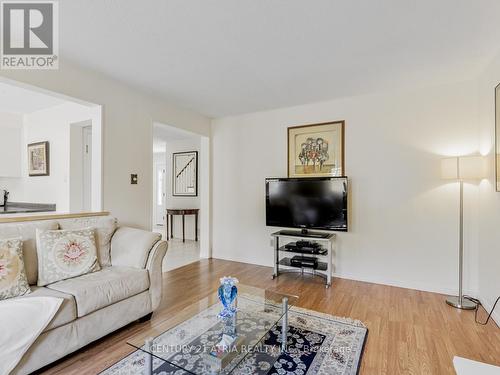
x: 185, y: 179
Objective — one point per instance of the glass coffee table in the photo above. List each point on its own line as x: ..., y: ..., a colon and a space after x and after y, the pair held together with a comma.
x: 195, y: 341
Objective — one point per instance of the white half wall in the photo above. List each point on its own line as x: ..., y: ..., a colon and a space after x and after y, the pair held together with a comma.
x: 404, y: 218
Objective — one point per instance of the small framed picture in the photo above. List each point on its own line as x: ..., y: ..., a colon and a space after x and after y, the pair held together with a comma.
x: 38, y: 159
x: 185, y: 174
x: 316, y: 150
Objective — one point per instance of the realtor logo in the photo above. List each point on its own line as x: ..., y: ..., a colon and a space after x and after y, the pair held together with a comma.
x: 30, y: 37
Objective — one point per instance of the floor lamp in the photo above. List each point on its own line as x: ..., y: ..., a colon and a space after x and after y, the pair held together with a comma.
x: 462, y: 168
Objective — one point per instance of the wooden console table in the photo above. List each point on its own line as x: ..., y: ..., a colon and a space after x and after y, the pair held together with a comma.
x: 182, y: 212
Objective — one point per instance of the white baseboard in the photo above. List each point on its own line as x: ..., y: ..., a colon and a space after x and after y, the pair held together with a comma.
x: 425, y: 287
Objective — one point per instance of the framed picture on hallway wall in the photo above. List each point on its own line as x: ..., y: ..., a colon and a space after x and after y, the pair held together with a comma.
x: 316, y: 150
x: 185, y: 174
x: 38, y: 159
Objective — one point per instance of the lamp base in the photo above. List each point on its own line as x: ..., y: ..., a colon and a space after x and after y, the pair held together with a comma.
x: 465, y: 304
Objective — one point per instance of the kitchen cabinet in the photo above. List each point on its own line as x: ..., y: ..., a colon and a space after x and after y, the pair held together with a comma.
x: 10, y: 152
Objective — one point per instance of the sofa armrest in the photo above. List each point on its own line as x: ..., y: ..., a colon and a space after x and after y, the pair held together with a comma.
x: 154, y: 267
x: 130, y: 247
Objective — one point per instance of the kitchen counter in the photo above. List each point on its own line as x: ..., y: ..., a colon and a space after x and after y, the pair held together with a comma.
x: 22, y: 207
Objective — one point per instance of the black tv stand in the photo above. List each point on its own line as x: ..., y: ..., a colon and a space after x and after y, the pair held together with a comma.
x: 283, y: 255
x: 303, y: 233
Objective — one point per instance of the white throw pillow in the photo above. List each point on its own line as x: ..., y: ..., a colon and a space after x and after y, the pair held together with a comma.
x: 104, y: 226
x: 63, y: 254
x: 13, y: 281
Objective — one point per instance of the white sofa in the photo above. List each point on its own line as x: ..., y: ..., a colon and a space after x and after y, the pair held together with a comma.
x: 96, y: 304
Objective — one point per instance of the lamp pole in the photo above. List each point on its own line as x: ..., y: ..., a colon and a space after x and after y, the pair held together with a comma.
x: 459, y: 301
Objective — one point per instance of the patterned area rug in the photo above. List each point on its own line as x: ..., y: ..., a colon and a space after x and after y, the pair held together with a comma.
x: 317, y: 344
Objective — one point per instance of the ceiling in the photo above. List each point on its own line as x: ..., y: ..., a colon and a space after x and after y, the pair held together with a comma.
x: 19, y: 100
x: 228, y: 57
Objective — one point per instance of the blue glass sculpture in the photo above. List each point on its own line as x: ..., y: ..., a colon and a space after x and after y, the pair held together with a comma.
x: 227, y: 294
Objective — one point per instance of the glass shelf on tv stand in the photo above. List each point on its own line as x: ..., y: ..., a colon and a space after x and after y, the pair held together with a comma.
x: 283, y: 265
x: 305, y: 234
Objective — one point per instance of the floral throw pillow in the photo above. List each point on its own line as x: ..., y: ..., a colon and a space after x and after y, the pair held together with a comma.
x: 63, y: 254
x: 13, y: 281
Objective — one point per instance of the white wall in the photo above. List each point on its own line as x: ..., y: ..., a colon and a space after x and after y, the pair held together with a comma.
x: 53, y: 125
x: 489, y: 209
x: 404, y: 218
x: 191, y: 144
x: 128, y: 115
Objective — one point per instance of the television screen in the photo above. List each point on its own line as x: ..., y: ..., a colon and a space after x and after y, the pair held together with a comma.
x: 315, y: 203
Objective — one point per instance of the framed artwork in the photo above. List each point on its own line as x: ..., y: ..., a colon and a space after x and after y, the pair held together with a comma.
x: 38, y: 159
x: 316, y: 150
x: 497, y: 137
x: 185, y: 174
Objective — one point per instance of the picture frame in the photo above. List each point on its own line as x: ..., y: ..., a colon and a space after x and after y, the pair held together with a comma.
x: 316, y: 150
x: 185, y: 174
x: 497, y: 138
x: 38, y: 159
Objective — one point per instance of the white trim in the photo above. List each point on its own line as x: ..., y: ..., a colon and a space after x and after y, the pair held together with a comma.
x: 424, y: 287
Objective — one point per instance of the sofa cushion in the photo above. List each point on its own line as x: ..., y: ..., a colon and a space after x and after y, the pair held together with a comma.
x: 96, y: 290
x: 63, y: 254
x: 66, y: 313
x: 131, y: 247
x: 27, y: 231
x: 13, y: 282
x: 104, y: 226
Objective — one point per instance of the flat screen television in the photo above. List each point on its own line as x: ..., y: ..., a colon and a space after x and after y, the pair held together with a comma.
x: 307, y: 203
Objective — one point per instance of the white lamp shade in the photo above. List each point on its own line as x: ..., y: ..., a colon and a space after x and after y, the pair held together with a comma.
x: 449, y: 168
x: 472, y: 168
x: 464, y: 168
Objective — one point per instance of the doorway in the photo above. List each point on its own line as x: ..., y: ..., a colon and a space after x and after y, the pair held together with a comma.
x: 74, y: 179
x: 187, y: 240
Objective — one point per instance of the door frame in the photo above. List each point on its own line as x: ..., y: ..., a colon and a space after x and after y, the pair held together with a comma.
x: 87, y: 167
x: 204, y: 185
x: 157, y: 167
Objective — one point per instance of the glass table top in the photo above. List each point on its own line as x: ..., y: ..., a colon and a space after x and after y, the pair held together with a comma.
x: 195, y: 341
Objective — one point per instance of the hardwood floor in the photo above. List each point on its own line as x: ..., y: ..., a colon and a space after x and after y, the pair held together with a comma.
x: 410, y: 332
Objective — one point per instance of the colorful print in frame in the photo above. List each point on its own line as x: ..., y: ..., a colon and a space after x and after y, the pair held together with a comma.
x: 38, y: 159
x: 316, y: 150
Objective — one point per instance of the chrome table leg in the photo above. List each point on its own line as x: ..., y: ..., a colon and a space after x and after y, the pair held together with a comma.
x: 284, y: 325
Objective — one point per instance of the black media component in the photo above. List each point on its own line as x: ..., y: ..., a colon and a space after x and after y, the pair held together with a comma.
x: 303, y: 261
